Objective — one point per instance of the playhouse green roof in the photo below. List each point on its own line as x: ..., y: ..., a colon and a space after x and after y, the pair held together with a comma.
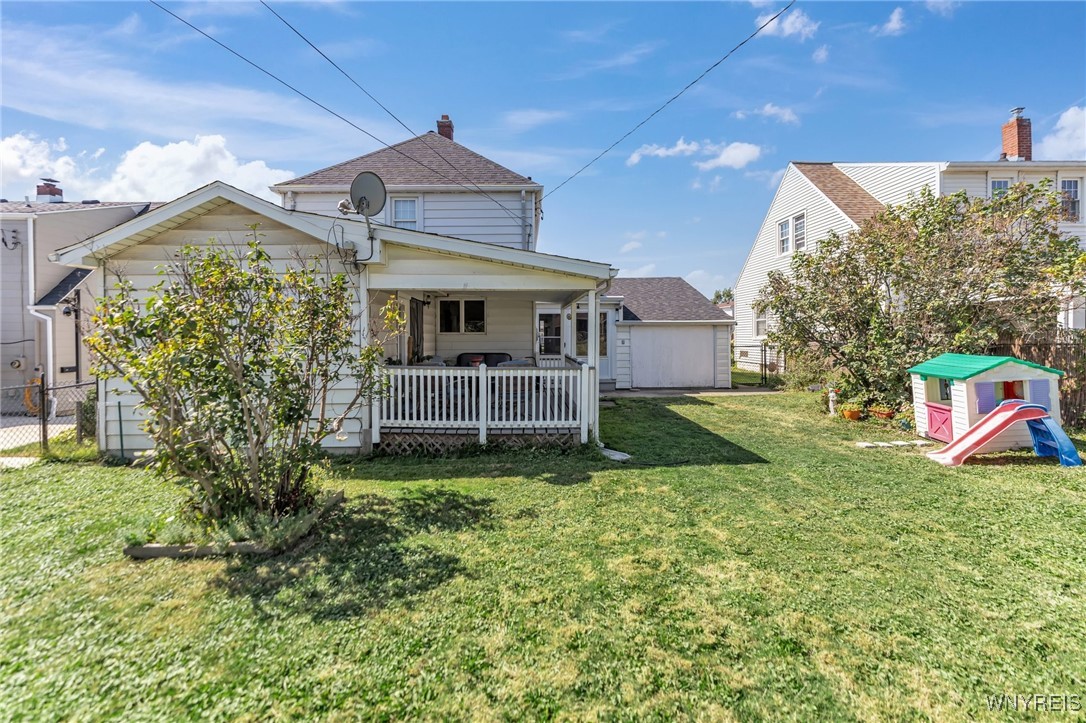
x: 964, y: 366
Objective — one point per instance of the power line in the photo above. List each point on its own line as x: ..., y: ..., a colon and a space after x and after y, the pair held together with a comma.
x: 369, y: 95
x: 312, y: 100
x: 673, y: 98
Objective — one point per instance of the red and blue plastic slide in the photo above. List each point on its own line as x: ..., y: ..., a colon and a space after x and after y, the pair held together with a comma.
x: 1049, y: 439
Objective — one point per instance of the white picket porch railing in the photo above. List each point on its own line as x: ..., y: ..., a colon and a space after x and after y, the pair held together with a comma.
x: 482, y: 398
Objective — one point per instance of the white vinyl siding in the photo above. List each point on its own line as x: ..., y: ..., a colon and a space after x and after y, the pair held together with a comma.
x: 229, y: 224
x: 794, y: 196
x: 623, y: 373
x: 893, y: 183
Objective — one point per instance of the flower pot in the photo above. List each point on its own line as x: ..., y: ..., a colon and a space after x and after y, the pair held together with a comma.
x: 853, y: 414
x: 883, y: 415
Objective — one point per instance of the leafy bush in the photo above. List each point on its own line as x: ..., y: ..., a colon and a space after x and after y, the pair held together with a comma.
x: 235, y: 363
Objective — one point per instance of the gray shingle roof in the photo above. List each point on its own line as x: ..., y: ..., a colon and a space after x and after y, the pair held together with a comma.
x: 663, y: 298
x: 405, y: 164
x: 65, y: 287
x: 843, y: 192
x: 34, y: 207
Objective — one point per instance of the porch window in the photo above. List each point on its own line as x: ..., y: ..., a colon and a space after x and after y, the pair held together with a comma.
x: 550, y: 333
x: 405, y: 213
x: 582, y: 334
x: 462, y: 316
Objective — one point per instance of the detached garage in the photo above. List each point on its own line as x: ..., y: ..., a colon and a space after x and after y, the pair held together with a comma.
x: 669, y: 336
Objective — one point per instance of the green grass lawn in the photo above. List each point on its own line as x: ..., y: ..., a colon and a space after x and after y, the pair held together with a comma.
x: 753, y: 564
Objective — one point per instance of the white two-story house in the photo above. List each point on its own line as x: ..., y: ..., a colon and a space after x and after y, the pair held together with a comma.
x: 814, y: 199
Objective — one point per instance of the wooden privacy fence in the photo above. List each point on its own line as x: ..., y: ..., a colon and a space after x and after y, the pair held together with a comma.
x: 1065, y: 351
x: 485, y: 399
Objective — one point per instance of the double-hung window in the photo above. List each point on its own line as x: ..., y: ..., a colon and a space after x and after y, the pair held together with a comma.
x: 760, y: 322
x: 1000, y: 186
x: 1070, y: 203
x: 784, y: 236
x: 799, y: 232
x: 405, y: 213
x: 462, y: 316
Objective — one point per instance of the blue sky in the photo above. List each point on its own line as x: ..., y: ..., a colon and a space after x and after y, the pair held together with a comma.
x: 120, y: 101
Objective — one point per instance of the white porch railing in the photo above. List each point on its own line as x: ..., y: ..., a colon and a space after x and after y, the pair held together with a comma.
x: 505, y: 398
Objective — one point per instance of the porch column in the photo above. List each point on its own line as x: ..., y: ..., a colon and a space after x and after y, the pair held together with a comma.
x: 594, y: 364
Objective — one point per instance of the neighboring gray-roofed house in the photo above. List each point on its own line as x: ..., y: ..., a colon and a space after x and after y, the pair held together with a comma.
x: 434, y: 185
x: 36, y: 337
x: 668, y: 335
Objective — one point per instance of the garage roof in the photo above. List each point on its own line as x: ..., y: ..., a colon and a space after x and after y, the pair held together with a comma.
x: 663, y: 298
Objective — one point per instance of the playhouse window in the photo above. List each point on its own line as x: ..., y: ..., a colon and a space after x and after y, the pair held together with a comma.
x: 1009, y: 390
x: 944, y: 390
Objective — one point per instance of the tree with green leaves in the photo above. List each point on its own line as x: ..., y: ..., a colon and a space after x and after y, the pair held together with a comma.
x: 937, y: 274
x: 242, y: 370
x: 722, y: 295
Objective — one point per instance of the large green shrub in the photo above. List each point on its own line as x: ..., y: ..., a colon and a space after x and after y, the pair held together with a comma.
x: 235, y: 363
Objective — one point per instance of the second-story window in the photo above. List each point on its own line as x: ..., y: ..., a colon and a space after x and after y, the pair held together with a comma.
x: 999, y: 187
x: 784, y: 236
x: 1069, y: 191
x: 405, y: 213
x: 799, y: 232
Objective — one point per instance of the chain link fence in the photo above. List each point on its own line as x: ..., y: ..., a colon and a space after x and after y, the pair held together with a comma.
x: 764, y: 362
x: 59, y: 422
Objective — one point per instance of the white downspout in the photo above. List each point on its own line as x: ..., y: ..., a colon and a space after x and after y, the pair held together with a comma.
x: 47, y: 372
x: 524, y: 233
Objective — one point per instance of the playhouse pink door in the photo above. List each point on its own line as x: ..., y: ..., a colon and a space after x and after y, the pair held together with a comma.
x: 940, y: 422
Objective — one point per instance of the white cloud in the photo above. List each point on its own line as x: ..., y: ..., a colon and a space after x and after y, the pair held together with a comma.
x: 704, y: 281
x: 733, y: 155
x: 1067, y: 141
x: 625, y: 59
x: 714, y: 185
x: 147, y: 172
x: 771, y: 110
x: 681, y: 148
x: 796, y: 23
x: 894, y: 25
x: 945, y: 8
x: 821, y: 55
x: 629, y: 246
x: 524, y: 120
x: 645, y: 270
x: 761, y: 3
x: 772, y: 179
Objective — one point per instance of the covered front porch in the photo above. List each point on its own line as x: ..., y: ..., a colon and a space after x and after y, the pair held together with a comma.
x: 483, y: 357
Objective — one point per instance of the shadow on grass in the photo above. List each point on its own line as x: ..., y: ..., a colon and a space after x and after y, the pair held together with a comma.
x: 362, y: 557
x: 656, y: 432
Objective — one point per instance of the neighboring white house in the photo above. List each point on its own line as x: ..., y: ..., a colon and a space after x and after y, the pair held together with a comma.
x: 668, y: 335
x: 41, y: 301
x: 434, y: 185
x: 468, y: 302
x: 816, y: 198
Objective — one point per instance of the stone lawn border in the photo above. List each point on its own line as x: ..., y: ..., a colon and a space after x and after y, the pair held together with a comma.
x: 154, y: 550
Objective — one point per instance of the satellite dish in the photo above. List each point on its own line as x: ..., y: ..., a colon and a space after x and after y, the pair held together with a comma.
x: 368, y: 194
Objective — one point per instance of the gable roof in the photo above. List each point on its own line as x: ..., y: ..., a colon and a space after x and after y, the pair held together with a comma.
x: 843, y: 192
x: 319, y: 226
x: 33, y: 207
x: 966, y: 366
x: 427, y: 160
x: 663, y: 298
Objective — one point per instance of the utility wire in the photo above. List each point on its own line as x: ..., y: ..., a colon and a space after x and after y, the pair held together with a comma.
x: 673, y: 98
x: 310, y: 98
x: 383, y: 107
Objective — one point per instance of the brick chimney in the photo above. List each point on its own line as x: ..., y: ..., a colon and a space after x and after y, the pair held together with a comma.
x: 1018, y: 137
x: 48, y: 191
x: 445, y: 127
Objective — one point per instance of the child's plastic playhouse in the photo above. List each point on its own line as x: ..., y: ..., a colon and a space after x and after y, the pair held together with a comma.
x: 981, y: 404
